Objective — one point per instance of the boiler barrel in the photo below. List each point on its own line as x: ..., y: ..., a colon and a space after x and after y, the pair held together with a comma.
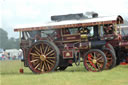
x: 97, y: 44
x: 92, y: 44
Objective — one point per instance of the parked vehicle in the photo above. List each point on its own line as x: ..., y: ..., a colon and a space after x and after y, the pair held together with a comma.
x: 59, y: 44
x: 120, y: 45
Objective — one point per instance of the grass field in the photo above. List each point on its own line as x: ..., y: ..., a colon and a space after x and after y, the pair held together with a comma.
x: 10, y: 75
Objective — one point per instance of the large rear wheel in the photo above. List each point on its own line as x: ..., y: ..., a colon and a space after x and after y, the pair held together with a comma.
x: 111, y: 58
x: 95, y: 60
x: 43, y: 57
x: 109, y: 46
x: 115, y: 57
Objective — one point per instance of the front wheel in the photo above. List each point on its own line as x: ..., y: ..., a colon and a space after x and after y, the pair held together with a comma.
x: 95, y: 60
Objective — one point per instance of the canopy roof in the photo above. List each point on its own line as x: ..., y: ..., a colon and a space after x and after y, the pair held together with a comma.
x: 124, y: 26
x: 75, y: 23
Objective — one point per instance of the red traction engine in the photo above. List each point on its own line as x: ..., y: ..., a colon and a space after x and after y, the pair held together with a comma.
x: 120, y: 45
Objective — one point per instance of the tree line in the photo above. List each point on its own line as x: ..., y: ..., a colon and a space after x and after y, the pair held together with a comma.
x: 8, y: 43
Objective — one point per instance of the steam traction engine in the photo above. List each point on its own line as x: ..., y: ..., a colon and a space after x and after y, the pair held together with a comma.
x: 120, y: 45
x: 58, y: 44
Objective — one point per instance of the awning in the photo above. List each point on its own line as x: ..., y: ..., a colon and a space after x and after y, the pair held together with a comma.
x: 75, y: 23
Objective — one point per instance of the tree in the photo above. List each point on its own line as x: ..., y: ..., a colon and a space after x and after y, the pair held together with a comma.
x: 6, y: 43
x: 13, y: 43
x: 3, y: 39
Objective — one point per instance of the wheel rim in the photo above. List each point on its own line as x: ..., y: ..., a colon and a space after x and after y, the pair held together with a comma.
x: 94, y: 61
x: 42, y: 58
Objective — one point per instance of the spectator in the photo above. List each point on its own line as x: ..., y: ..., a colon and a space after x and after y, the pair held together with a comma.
x: 14, y: 57
x: 0, y: 56
x: 3, y: 57
x: 20, y: 55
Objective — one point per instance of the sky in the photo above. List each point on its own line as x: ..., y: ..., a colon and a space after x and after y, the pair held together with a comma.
x: 15, y: 13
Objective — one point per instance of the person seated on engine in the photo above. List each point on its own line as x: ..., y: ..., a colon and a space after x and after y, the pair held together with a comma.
x: 108, y: 29
x: 66, y: 31
x: 35, y: 35
x: 84, y: 30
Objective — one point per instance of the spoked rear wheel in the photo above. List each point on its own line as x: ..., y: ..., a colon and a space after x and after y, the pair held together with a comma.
x: 110, y: 47
x: 113, y: 55
x: 111, y: 58
x: 95, y: 60
x: 43, y: 56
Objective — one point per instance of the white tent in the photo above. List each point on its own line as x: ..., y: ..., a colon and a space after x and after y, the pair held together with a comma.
x: 12, y: 52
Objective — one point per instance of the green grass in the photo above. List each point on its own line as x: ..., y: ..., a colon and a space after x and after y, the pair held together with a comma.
x: 10, y: 75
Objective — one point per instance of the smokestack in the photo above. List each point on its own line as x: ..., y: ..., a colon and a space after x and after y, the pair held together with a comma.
x: 94, y: 15
x: 77, y: 16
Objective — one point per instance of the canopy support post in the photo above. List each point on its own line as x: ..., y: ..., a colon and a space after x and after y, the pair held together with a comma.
x: 20, y: 36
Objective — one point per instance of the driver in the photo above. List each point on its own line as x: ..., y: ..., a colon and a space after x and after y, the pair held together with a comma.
x: 36, y: 35
x: 84, y: 30
x: 108, y: 29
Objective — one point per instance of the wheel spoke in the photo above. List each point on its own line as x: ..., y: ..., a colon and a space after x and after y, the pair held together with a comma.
x: 37, y: 66
x: 34, y: 60
x: 45, y: 50
x: 101, y: 62
x: 92, y: 64
x: 50, y: 57
x: 109, y: 58
x: 91, y: 67
x: 52, y: 61
x: 49, y: 62
x: 49, y: 52
x: 37, y: 53
x: 94, y: 55
x: 105, y: 52
x: 42, y: 68
x: 48, y: 48
x: 108, y: 54
x: 45, y: 66
x: 37, y: 49
x: 90, y: 57
x: 42, y: 45
x: 107, y: 65
x: 98, y: 65
x: 99, y: 58
x: 99, y: 55
x: 41, y: 63
x: 34, y: 54
x: 35, y: 57
x: 52, y: 54
x: 41, y: 50
x: 48, y: 66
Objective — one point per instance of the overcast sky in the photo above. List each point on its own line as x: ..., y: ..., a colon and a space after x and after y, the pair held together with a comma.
x: 20, y: 12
